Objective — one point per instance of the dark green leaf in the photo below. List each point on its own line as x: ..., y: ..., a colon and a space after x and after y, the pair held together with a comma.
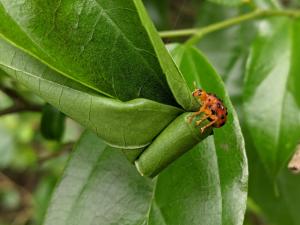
x: 271, y: 97
x: 52, y: 123
x: 101, y: 44
x: 131, y: 124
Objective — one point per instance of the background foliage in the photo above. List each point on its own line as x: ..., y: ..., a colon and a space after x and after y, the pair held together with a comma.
x: 257, y: 60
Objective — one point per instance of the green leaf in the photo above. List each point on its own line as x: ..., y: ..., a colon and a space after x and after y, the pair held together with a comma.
x: 175, y: 79
x: 100, y: 44
x: 128, y: 125
x: 271, y: 97
x: 227, y: 142
x: 99, y: 186
x: 229, y: 2
x: 52, y: 123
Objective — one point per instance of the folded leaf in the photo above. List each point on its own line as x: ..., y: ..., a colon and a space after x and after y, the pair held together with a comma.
x: 128, y: 125
x: 100, y: 44
x: 272, y: 97
x: 175, y: 140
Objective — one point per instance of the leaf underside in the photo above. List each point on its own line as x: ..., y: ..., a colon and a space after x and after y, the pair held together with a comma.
x: 121, y: 124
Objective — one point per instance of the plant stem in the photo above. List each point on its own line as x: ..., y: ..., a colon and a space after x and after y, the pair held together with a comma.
x: 66, y: 148
x: 20, y: 104
x: 198, y: 33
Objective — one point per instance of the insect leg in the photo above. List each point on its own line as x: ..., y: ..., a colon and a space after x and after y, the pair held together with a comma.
x: 197, y: 113
x: 193, y: 115
x: 208, y: 125
x: 201, y: 120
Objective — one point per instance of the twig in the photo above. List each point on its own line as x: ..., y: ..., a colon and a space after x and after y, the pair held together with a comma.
x: 66, y: 148
x: 20, y: 104
x: 198, y: 33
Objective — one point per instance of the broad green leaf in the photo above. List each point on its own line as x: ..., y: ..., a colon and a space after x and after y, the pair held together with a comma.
x: 100, y: 44
x: 99, y: 187
x: 129, y: 125
x: 271, y: 97
x: 175, y: 79
x: 52, y: 123
x: 227, y: 142
x: 229, y: 2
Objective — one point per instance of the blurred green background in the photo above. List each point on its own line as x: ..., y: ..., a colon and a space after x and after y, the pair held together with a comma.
x: 30, y: 163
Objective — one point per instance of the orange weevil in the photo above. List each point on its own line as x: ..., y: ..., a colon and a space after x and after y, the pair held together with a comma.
x: 212, y: 107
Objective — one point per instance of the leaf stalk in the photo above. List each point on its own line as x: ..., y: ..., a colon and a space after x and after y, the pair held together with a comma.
x: 199, y: 33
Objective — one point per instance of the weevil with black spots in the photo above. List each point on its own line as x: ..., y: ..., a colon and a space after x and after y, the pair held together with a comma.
x: 212, y: 108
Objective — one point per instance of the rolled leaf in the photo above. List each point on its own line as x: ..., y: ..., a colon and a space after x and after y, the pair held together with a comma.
x: 175, y: 140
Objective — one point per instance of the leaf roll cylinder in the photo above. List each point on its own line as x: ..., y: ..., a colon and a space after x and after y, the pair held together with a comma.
x: 176, y: 139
